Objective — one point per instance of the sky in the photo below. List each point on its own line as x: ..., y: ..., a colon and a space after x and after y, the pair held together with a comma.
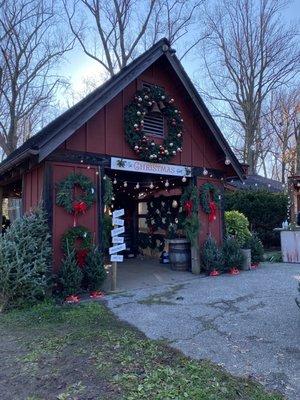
x: 79, y: 66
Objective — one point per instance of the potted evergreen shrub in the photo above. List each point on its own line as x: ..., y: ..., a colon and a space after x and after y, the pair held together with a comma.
x: 257, y: 250
x: 232, y: 256
x: 212, y: 259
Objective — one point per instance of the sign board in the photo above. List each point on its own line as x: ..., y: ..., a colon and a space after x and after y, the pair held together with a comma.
x: 116, y: 258
x: 116, y: 249
x: 125, y: 164
x: 118, y: 221
x: 117, y: 239
x: 117, y: 231
x: 118, y: 213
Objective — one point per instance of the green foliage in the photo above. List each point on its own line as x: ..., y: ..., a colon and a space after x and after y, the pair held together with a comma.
x: 65, y: 192
x: 191, y: 223
x: 25, y: 261
x: 108, y: 191
x: 78, y: 238
x: 237, y: 225
x: 70, y: 275
x: 107, y: 227
x: 145, y: 147
x: 211, y: 256
x: 191, y: 227
x: 232, y: 255
x: 264, y: 210
x: 207, y: 191
x: 257, y: 249
x: 94, y: 271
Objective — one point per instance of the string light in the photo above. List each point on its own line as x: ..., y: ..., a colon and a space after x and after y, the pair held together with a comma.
x: 205, y: 172
x: 137, y: 186
x: 167, y: 183
x: 227, y: 161
x: 125, y: 184
x: 183, y: 179
x: 115, y: 181
x: 151, y: 185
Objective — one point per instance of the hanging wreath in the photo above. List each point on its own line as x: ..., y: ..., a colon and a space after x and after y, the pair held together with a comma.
x: 75, y: 204
x: 146, y: 101
x: 210, y: 200
x: 80, y: 239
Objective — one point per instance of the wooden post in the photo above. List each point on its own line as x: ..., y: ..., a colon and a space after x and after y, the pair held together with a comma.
x: 195, y: 259
x: 114, y: 277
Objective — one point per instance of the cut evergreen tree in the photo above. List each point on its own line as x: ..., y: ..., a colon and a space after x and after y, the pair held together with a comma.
x: 257, y: 249
x: 212, y: 258
x: 25, y: 263
x: 70, y: 275
x: 232, y: 255
x: 94, y: 271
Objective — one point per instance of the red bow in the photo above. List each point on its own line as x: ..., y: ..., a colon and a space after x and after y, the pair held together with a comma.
x: 79, y: 207
x: 188, y: 207
x: 81, y: 257
x: 72, y: 299
x: 213, y: 211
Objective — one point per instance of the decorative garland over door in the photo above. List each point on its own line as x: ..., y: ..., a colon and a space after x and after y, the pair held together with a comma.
x: 144, y: 102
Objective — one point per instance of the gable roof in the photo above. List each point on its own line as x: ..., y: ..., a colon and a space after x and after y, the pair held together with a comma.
x: 257, y: 182
x: 61, y: 128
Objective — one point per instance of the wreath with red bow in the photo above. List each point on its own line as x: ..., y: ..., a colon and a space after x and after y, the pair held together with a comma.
x: 210, y: 200
x: 80, y: 239
x: 146, y: 101
x: 76, y: 204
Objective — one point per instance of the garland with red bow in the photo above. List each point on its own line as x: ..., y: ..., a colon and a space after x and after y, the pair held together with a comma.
x: 210, y: 200
x: 76, y: 204
x: 79, y: 238
x: 190, y: 204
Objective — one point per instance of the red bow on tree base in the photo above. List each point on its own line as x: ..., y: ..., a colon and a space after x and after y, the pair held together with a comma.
x: 72, y: 299
x: 254, y: 266
x: 79, y: 207
x: 234, y: 271
x: 188, y: 207
x: 81, y: 257
x: 214, y: 272
x: 96, y: 294
x: 213, y: 211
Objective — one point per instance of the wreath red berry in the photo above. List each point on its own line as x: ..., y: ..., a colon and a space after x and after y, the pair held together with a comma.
x: 210, y: 200
x: 143, y: 104
x: 66, y: 197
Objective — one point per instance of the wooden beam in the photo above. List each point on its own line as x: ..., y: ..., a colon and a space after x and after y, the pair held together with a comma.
x: 80, y: 157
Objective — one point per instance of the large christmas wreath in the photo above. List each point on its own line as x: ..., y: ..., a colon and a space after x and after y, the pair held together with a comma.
x: 75, y: 204
x: 80, y: 239
x: 146, y: 101
x: 210, y: 200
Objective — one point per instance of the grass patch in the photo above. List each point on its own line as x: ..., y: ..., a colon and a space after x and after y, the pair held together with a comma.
x: 85, y: 352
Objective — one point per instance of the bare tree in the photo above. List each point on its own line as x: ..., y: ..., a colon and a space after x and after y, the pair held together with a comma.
x: 249, y: 54
x: 114, y: 32
x: 30, y: 48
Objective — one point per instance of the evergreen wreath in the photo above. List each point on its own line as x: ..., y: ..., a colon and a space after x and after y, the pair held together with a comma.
x: 65, y: 194
x: 143, y: 103
x: 209, y: 193
x: 78, y: 238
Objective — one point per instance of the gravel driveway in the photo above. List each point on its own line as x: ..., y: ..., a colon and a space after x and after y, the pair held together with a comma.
x: 249, y: 323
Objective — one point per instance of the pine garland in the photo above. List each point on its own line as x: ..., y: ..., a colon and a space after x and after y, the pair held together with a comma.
x: 191, y: 224
x: 65, y: 192
x: 108, y: 191
x: 146, y: 148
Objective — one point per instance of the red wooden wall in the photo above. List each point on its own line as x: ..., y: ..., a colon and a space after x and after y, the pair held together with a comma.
x: 62, y: 221
x: 33, y: 183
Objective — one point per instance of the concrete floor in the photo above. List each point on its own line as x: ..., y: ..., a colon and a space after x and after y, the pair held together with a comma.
x: 248, y: 323
x: 143, y: 272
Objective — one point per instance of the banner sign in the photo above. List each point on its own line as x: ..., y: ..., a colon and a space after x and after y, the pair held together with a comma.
x: 117, y: 239
x: 116, y: 258
x: 116, y: 249
x: 125, y: 164
x: 118, y: 213
x: 117, y: 231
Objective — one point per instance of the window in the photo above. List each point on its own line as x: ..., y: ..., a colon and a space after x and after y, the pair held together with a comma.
x: 154, y: 121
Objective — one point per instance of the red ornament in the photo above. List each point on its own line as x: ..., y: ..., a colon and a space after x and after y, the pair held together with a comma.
x: 214, y: 272
x: 254, y: 266
x: 81, y: 257
x: 213, y: 211
x: 72, y: 299
x: 96, y: 294
x: 188, y: 207
x: 234, y: 271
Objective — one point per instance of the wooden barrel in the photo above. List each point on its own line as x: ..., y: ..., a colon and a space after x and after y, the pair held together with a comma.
x: 180, y: 254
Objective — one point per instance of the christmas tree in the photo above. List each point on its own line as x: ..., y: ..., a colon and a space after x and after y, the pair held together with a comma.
x: 70, y: 275
x: 94, y: 272
x: 211, y: 256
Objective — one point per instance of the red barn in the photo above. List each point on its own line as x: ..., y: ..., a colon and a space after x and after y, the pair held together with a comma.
x: 89, y: 139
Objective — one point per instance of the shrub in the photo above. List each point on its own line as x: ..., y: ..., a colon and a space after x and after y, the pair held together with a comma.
x: 237, y: 225
x: 257, y: 250
x: 264, y: 210
x: 25, y: 261
x: 94, y: 272
x: 211, y: 256
x: 232, y: 255
x: 70, y: 275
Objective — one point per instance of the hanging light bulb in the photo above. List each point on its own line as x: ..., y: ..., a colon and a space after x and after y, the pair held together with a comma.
x: 184, y: 179
x: 151, y: 185
x: 104, y: 177
x: 137, y: 186
x: 115, y: 181
x: 125, y: 184
x: 174, y: 204
x: 227, y: 161
x: 205, y: 172
x: 167, y: 183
